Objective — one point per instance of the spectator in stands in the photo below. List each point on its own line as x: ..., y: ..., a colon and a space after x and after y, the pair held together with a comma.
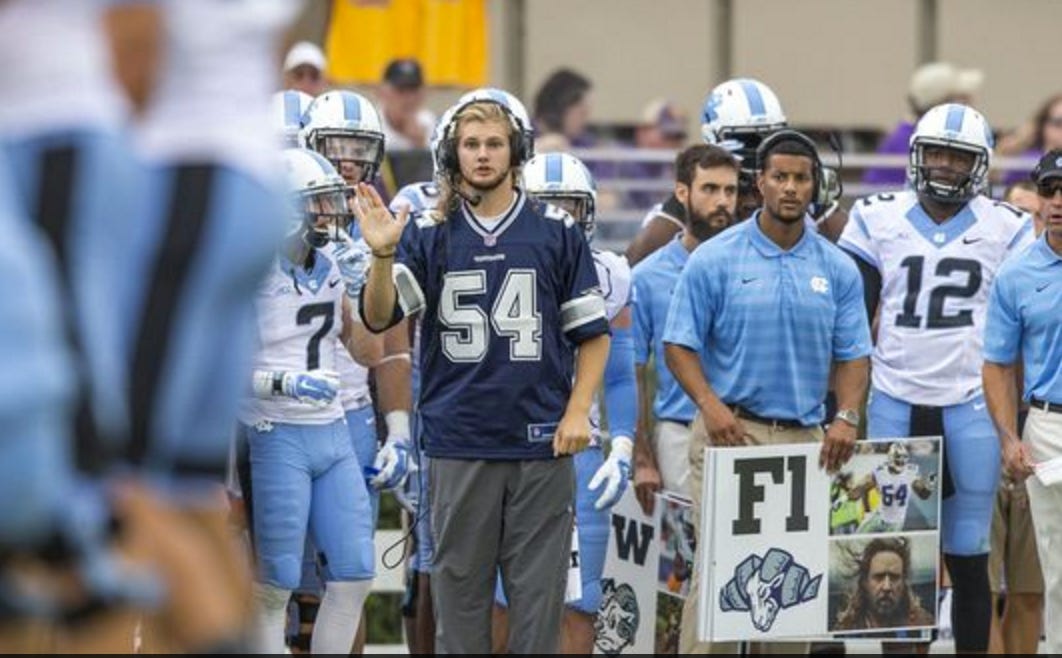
x: 1041, y: 133
x: 304, y: 69
x: 932, y: 84
x: 662, y: 126
x: 562, y: 112
x: 407, y: 123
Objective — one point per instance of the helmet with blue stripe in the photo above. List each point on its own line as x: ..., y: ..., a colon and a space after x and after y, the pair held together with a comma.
x: 345, y: 127
x: 318, y: 196
x: 564, y: 181
x: 956, y: 127
x: 738, y: 114
x: 288, y: 113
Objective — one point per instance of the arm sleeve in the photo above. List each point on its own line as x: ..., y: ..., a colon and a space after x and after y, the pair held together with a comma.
x: 582, y: 308
x: 641, y: 321
x: 692, y: 304
x: 857, y: 241
x: 851, y: 335
x: 1003, y: 323
x: 621, y: 393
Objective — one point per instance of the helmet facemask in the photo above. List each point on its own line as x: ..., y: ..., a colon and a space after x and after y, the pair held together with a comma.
x: 345, y: 149
x: 325, y: 214
x: 966, y: 185
x: 577, y: 204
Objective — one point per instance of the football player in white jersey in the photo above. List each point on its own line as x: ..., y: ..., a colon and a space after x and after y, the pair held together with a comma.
x: 345, y: 128
x: 895, y: 480
x: 564, y: 181
x: 304, y: 472
x: 928, y: 256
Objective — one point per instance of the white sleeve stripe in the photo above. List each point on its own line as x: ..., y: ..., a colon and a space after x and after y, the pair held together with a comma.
x: 579, y: 311
x: 410, y: 296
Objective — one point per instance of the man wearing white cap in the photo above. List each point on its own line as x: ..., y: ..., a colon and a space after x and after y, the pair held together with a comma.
x: 304, y: 69
x: 932, y: 84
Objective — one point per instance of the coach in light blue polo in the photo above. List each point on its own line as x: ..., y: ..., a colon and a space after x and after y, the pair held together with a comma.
x: 761, y: 313
x: 1024, y: 324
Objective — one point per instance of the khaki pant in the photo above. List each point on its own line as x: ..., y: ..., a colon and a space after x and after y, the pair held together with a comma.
x: 1043, y: 435
x: 671, y: 443
x: 760, y: 434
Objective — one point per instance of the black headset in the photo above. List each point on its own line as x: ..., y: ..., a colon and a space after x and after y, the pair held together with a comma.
x: 521, y: 148
x: 774, y: 139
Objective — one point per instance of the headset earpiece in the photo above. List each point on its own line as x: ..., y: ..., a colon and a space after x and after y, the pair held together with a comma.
x: 774, y: 139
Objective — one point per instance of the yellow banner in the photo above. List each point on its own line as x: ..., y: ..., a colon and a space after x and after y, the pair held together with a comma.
x: 449, y: 37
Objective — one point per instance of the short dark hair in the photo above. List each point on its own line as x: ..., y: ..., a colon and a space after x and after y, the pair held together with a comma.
x: 788, y: 147
x: 562, y: 89
x: 703, y: 156
x: 1027, y: 185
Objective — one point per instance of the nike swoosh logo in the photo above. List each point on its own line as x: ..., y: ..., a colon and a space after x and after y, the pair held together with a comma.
x: 333, y: 284
x: 1042, y: 288
x: 979, y: 407
x: 970, y: 240
x: 750, y: 280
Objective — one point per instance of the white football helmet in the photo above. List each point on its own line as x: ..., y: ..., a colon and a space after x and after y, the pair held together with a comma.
x: 318, y: 196
x: 897, y: 457
x: 288, y: 112
x: 443, y: 151
x: 739, y: 113
x: 345, y: 128
x: 952, y: 126
x: 564, y: 181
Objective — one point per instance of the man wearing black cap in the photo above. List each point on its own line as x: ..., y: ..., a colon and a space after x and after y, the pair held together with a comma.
x: 1024, y: 326
x: 407, y: 123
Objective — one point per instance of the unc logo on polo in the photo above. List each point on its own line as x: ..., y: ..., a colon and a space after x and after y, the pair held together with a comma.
x: 820, y: 285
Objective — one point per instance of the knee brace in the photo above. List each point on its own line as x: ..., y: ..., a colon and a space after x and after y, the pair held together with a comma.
x: 971, y: 601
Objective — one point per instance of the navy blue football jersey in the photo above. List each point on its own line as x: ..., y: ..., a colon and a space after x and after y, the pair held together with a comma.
x: 503, y: 309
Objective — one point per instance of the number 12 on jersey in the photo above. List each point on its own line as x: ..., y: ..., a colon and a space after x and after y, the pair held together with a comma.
x: 514, y: 315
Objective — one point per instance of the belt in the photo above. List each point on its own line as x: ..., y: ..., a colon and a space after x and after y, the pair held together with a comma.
x: 775, y: 423
x: 1044, y: 405
x: 677, y: 421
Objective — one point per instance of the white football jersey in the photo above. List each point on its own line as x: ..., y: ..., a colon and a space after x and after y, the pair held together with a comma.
x: 614, y: 277
x: 935, y: 282
x: 58, y: 71
x: 299, y: 323
x: 353, y: 377
x: 896, y: 491
x: 216, y: 79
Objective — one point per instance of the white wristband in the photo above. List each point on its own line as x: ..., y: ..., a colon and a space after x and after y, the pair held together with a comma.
x: 265, y: 383
x: 397, y: 425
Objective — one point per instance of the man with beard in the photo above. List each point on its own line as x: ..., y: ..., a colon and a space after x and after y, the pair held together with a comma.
x: 880, y: 597
x: 760, y: 315
x: 738, y: 115
x: 511, y: 359
x: 706, y: 183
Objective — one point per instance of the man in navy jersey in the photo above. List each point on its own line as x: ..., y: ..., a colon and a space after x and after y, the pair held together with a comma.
x: 513, y: 311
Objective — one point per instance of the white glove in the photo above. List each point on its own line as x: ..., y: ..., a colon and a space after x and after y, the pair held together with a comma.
x: 313, y: 387
x: 391, y: 465
x: 352, y: 258
x: 615, y: 473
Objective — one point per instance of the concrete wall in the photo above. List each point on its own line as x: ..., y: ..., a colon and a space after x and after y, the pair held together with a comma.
x: 840, y: 62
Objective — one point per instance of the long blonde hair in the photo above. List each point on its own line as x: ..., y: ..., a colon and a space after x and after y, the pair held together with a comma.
x: 448, y: 181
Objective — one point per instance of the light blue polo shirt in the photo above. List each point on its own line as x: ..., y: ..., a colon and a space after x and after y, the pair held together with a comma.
x: 767, y: 322
x: 1025, y: 319
x: 655, y: 279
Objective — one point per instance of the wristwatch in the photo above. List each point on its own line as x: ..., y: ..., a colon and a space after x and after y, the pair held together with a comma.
x: 850, y: 416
